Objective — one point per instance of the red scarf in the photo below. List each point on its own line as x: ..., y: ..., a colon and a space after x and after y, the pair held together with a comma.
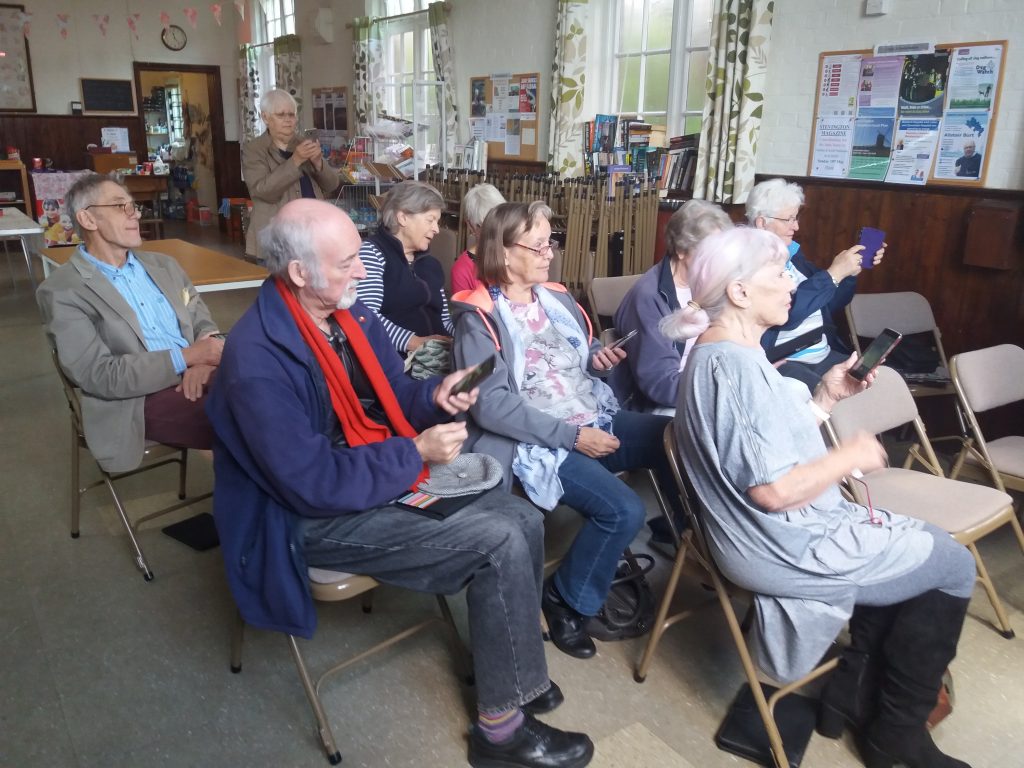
x: 358, y: 429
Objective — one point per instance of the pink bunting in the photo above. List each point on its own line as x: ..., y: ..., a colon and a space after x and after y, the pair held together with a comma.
x: 102, y: 20
x: 192, y: 15
x: 240, y: 7
x: 133, y: 23
x: 165, y: 19
x: 62, y: 24
x: 26, y: 23
x: 215, y: 10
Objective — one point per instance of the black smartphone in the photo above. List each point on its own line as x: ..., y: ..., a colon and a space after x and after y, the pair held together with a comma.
x: 876, y: 353
x: 476, y: 374
x: 619, y: 342
x: 872, y: 239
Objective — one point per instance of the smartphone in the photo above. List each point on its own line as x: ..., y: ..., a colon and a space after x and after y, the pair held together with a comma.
x: 872, y: 239
x: 311, y: 134
x: 476, y: 374
x: 875, y: 354
x: 619, y: 342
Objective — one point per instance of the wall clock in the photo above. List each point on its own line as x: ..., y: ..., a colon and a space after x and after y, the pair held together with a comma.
x: 173, y: 37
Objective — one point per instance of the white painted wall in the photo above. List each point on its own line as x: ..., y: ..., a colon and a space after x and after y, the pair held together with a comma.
x: 804, y: 28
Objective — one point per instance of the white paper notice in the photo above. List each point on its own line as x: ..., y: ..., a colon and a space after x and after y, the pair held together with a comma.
x: 879, y: 90
x: 832, y: 146
x: 962, y: 145
x: 501, y: 100
x: 839, y: 76
x: 913, y: 149
x: 478, y: 128
x: 529, y: 136
x: 495, y: 127
x: 116, y: 138
x: 973, y: 76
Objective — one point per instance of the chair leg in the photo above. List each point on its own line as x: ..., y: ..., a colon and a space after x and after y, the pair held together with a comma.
x: 367, y: 601
x: 640, y: 673
x: 140, y: 559
x: 237, y: 638
x: 323, y: 727
x: 1004, y: 627
x: 76, y: 488
x: 461, y: 654
x: 183, y: 474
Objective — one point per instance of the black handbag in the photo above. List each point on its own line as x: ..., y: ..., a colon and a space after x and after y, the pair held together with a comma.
x: 629, y: 608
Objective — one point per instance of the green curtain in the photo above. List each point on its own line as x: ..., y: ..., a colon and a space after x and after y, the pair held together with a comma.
x: 737, y: 66
x: 288, y: 67
x: 367, y: 59
x: 444, y: 70
x: 249, y: 93
x: 568, y: 81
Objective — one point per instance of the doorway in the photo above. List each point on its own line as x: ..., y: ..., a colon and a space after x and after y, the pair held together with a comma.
x: 182, y: 114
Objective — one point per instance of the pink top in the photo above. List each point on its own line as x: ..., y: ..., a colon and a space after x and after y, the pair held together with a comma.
x: 464, y: 274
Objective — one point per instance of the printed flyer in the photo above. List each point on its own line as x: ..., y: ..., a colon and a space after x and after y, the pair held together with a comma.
x: 913, y: 150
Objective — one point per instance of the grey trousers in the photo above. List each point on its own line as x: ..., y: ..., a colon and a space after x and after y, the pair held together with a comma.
x: 493, y: 547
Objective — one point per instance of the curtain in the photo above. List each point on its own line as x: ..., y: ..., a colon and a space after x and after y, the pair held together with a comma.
x: 368, y: 60
x: 444, y: 70
x: 249, y: 96
x: 568, y: 78
x: 288, y: 67
x: 737, y: 66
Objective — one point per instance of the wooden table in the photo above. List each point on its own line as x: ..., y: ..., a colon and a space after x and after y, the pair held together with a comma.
x: 15, y: 224
x: 208, y: 270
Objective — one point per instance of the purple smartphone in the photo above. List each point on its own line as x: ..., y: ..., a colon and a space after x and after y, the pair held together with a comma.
x: 872, y: 240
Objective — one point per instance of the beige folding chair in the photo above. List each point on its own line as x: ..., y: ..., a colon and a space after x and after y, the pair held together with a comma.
x: 444, y: 248
x: 868, y: 314
x: 156, y: 455
x: 986, y: 379
x: 967, y: 511
x: 605, y: 294
x: 694, y: 545
x: 335, y: 586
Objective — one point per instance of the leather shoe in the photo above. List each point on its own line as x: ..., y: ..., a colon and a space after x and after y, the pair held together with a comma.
x: 565, y: 625
x: 534, y: 745
x: 548, y: 701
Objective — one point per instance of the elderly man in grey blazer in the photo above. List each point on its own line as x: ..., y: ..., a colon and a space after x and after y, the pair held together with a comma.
x: 130, y: 331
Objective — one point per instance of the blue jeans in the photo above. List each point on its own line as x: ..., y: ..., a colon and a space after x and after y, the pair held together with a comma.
x: 613, y: 511
x: 493, y: 547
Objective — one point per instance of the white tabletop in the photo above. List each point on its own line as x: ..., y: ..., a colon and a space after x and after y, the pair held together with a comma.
x: 13, y: 222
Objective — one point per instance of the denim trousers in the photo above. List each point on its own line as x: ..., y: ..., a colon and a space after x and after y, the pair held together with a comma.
x: 612, y: 510
x: 492, y: 547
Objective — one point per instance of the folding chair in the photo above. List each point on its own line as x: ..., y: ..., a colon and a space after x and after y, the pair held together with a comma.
x: 335, y: 586
x: 967, y: 511
x: 986, y: 379
x: 694, y: 545
x: 156, y: 455
x: 605, y: 294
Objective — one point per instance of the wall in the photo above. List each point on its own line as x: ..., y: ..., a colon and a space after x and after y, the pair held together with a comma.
x: 57, y: 64
x: 834, y: 25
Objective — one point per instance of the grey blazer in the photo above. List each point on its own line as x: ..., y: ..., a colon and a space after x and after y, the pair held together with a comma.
x: 101, y: 348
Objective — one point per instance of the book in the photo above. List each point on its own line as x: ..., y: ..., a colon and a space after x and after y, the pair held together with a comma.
x: 604, y: 133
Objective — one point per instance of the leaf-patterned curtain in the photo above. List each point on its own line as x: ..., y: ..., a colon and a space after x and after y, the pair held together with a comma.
x: 444, y: 70
x: 568, y: 78
x: 249, y: 96
x: 368, y: 59
x: 737, y: 65
x: 288, y: 67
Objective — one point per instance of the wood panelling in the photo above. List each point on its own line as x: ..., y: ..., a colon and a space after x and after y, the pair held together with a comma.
x: 62, y: 138
x: 229, y: 171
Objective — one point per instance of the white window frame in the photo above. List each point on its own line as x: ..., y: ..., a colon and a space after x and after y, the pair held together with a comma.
x: 275, y: 13
x: 417, y: 22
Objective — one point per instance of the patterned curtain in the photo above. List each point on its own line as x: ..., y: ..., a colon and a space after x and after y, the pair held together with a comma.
x: 368, y: 58
x: 737, y: 65
x: 444, y: 70
x: 288, y: 67
x: 249, y: 97
x: 568, y: 78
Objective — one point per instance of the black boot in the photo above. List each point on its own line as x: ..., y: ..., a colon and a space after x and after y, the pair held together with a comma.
x: 850, y: 693
x: 565, y: 625
x: 534, y: 745
x: 917, y: 651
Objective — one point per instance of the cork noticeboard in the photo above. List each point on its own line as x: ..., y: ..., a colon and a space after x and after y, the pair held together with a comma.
x: 503, y: 112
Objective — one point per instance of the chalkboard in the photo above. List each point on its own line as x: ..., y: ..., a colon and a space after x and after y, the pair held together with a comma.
x: 108, y: 96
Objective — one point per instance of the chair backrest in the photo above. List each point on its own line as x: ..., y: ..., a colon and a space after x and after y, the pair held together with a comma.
x: 606, y: 293
x: 990, y: 377
x: 444, y: 248
x: 903, y: 311
x: 675, y: 463
x: 884, y: 405
x: 70, y: 392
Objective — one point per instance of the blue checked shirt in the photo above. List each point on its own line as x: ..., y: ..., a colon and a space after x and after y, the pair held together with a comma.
x: 156, y: 315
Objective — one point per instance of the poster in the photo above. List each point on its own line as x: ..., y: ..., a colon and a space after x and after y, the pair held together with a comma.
x: 49, y: 190
x: 528, y: 98
x: 833, y: 142
x: 478, y: 97
x: 872, y: 146
x: 116, y: 138
x: 330, y: 109
x: 879, y: 89
x: 973, y: 77
x: 962, y: 145
x: 512, y: 136
x: 913, y: 150
x: 838, y: 90
x: 923, y: 84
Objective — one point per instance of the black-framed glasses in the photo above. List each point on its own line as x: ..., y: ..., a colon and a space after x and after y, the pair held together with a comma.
x: 130, y: 208
x: 791, y: 220
x: 544, y: 250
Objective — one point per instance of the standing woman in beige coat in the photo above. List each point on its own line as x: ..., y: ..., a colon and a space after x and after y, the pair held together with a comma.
x: 281, y: 166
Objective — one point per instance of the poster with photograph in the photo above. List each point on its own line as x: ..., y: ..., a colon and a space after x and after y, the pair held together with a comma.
x: 973, y: 77
x: 528, y: 98
x: 962, y: 146
x: 478, y: 97
x: 872, y: 147
x: 49, y: 190
x: 513, y: 133
x: 913, y: 150
x: 923, y: 84
x: 833, y: 143
x: 879, y: 89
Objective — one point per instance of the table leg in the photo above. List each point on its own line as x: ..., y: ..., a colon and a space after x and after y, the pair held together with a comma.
x: 28, y: 262
x: 10, y: 271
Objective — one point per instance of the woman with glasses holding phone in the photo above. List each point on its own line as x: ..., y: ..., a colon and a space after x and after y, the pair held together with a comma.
x: 281, y: 165
x: 548, y: 416
x: 775, y: 205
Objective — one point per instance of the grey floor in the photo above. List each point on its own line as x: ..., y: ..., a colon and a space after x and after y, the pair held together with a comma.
x: 99, y: 668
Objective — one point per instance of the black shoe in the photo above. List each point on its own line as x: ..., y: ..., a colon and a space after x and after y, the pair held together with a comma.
x: 534, y: 745
x: 565, y: 625
x: 548, y: 701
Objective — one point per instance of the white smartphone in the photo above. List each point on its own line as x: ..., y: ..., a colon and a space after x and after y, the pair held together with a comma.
x: 619, y: 342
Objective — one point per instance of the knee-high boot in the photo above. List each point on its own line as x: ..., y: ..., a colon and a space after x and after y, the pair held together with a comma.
x: 917, y: 651
x: 850, y: 693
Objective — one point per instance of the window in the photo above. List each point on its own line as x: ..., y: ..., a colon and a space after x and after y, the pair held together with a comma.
x: 279, y: 18
x: 408, y: 57
x: 659, y: 61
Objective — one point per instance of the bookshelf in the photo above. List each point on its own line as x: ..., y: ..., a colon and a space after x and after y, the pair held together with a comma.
x: 8, y: 185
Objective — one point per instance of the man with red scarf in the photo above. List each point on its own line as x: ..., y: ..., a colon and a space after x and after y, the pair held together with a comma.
x: 318, y: 431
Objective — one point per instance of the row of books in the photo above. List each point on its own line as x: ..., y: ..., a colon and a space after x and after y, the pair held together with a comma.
x: 610, y: 142
x: 678, y: 165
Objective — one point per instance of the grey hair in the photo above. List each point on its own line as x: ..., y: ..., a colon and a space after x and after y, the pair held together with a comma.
x: 83, y: 193
x: 769, y: 197
x: 478, y: 203
x: 694, y: 221
x: 274, y: 98
x: 409, y: 197
x: 292, y: 238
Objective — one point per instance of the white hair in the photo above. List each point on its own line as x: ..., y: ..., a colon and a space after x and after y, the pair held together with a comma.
x: 769, y: 197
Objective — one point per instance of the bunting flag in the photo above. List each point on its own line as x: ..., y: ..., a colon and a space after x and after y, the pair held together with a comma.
x: 133, y: 23
x: 165, y: 19
x: 215, y: 10
x: 26, y: 23
x: 240, y: 7
x: 63, y: 19
x: 102, y: 20
x: 191, y: 14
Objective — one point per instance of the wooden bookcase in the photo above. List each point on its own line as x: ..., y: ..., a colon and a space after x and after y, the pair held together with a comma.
x: 9, y: 184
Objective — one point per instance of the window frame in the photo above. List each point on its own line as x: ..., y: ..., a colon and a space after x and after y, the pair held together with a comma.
x: 285, y: 20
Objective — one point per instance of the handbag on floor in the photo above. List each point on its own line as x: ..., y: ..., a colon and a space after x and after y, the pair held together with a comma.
x: 630, y: 607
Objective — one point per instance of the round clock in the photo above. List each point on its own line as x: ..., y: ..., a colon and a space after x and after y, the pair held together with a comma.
x: 173, y: 37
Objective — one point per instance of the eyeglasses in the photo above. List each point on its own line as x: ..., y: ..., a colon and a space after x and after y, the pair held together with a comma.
x: 791, y: 220
x: 283, y: 115
x: 544, y: 250
x: 130, y: 208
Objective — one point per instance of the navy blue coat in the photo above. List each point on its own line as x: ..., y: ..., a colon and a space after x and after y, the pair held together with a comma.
x: 273, y: 460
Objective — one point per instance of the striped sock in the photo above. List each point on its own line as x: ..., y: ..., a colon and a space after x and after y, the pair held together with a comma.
x: 500, y: 728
